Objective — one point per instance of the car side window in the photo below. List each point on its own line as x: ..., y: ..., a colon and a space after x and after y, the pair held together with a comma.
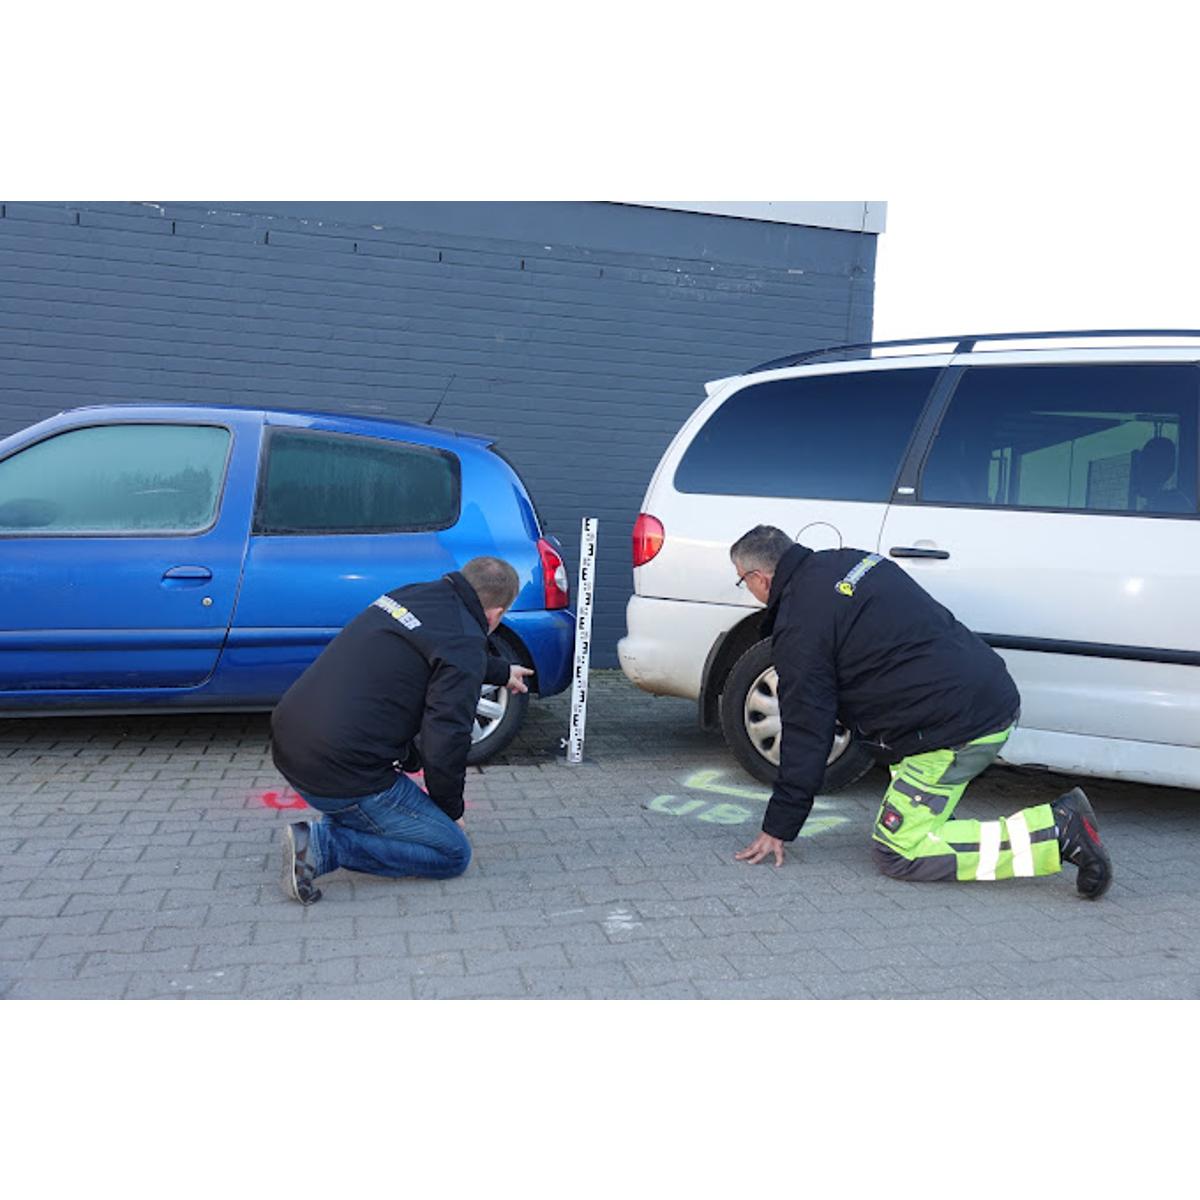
x: 1096, y: 437
x: 315, y: 482
x: 824, y: 437
x: 116, y: 479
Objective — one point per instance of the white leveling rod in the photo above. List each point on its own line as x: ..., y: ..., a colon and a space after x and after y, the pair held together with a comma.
x: 583, y: 639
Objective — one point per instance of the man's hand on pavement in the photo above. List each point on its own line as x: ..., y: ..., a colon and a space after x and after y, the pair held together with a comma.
x: 758, y: 849
x: 516, y: 678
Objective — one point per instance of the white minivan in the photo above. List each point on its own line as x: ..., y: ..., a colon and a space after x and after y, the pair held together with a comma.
x: 1042, y: 486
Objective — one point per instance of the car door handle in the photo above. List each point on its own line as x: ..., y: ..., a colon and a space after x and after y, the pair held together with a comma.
x: 917, y: 552
x: 195, y: 574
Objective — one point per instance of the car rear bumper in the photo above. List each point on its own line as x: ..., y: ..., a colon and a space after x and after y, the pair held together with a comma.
x: 668, y: 641
x: 549, y: 636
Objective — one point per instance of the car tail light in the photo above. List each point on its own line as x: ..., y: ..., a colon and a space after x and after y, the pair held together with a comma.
x: 554, y: 576
x: 648, y: 535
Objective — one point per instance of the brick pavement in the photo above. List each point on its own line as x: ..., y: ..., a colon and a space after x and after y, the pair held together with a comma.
x: 139, y: 858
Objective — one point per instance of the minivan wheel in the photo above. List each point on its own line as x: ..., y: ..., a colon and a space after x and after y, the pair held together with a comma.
x: 751, y: 723
x: 499, y: 713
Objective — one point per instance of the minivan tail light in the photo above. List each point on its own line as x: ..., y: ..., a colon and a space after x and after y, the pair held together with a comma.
x: 648, y: 535
x: 554, y: 576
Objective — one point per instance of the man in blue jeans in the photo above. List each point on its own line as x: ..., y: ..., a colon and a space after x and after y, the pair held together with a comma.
x: 404, y: 673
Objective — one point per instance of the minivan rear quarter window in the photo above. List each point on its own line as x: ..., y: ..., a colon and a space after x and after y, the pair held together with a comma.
x: 315, y: 482
x: 1098, y: 437
x: 821, y: 437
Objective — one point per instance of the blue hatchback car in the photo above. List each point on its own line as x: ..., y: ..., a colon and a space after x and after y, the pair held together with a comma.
x: 198, y: 559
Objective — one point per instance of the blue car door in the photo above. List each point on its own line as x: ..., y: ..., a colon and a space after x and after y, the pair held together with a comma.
x: 340, y: 519
x: 122, y: 540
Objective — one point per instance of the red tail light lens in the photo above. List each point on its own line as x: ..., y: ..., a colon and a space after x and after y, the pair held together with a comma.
x: 648, y: 535
x: 554, y: 576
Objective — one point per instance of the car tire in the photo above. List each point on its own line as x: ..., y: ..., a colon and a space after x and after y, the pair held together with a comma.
x: 750, y: 722
x: 500, y: 713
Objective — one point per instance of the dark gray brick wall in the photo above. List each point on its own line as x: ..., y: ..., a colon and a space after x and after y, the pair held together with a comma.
x: 578, y: 335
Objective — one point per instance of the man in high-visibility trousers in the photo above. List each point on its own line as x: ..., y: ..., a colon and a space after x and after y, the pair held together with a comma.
x: 854, y: 638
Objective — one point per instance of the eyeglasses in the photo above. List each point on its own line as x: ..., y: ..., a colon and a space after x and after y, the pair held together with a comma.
x: 741, y: 582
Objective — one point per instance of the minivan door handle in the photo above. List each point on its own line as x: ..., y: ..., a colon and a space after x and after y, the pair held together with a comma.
x: 917, y: 552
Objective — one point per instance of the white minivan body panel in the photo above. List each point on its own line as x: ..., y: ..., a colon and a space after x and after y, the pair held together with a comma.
x: 1073, y: 577
x: 1104, y: 758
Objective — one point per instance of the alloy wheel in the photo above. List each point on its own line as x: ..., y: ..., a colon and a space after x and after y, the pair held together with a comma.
x: 489, y: 712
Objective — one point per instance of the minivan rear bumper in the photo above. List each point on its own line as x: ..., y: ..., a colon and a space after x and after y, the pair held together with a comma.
x: 668, y: 642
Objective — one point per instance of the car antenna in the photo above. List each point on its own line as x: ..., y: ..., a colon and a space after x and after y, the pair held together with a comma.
x: 440, y: 399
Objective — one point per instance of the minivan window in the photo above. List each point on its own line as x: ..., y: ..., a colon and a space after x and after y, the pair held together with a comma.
x: 1105, y: 438
x: 116, y: 479
x: 316, y: 482
x: 824, y: 437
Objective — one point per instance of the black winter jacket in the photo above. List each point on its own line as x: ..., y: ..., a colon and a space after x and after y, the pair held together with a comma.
x: 411, y: 665
x: 855, y: 639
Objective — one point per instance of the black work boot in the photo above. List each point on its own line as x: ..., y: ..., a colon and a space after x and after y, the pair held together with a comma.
x: 1079, y: 843
x: 299, y: 877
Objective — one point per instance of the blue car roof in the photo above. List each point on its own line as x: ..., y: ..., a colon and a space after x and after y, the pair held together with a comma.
x: 350, y: 422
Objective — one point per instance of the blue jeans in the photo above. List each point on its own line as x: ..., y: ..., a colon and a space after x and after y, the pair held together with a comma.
x: 393, y: 833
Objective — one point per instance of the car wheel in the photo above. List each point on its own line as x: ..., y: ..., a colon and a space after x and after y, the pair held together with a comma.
x: 751, y: 723
x: 499, y: 713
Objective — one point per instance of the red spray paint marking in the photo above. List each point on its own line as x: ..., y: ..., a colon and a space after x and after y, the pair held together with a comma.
x: 281, y: 800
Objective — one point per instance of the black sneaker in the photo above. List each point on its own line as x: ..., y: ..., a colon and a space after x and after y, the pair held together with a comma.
x: 1079, y: 843
x: 299, y: 878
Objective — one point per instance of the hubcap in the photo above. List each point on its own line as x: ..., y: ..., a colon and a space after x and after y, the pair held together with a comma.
x: 489, y: 712
x: 764, y: 727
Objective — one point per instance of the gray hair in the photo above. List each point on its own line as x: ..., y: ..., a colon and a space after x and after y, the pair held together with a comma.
x: 494, y: 580
x: 760, y: 549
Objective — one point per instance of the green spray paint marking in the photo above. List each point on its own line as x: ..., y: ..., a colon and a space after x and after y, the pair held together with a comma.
x: 731, y: 814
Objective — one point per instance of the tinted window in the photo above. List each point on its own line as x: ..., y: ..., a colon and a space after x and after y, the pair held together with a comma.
x: 116, y: 479
x: 828, y: 437
x: 335, y: 483
x: 1104, y: 438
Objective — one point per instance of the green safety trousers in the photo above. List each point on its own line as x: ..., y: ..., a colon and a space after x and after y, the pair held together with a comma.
x: 916, y: 837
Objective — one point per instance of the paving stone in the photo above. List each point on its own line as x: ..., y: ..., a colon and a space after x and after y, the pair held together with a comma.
x: 112, y: 988
x: 580, y: 982
x: 450, y: 962
x: 400, y: 989
x: 684, y: 990
x: 768, y: 987
x: 576, y: 939
x: 55, y: 966
x: 110, y: 962
x: 480, y: 961
x: 493, y: 985
x: 653, y: 971
x: 475, y: 939
x: 19, y: 927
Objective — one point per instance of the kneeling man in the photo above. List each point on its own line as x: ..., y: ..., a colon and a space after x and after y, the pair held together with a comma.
x: 406, y: 671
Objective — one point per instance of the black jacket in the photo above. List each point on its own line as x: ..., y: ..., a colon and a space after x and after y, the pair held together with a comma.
x: 855, y: 638
x: 411, y: 665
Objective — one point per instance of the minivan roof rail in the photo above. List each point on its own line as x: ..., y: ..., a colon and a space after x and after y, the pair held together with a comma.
x: 966, y: 342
